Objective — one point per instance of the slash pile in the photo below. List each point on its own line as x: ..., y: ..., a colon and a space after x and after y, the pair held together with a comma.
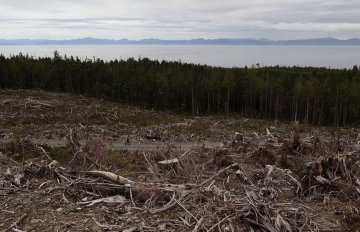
x: 255, y: 183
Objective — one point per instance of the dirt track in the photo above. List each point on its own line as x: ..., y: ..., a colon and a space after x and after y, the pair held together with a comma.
x: 147, y: 147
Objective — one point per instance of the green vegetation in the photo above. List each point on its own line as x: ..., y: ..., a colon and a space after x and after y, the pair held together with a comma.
x: 60, y: 154
x: 21, y: 150
x: 310, y: 95
x: 128, y: 163
x: 19, y: 133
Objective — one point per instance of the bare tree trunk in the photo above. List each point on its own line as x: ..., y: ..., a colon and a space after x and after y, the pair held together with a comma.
x: 208, y: 105
x: 228, y: 102
x: 296, y: 109
x: 251, y: 104
x: 266, y: 94
x: 336, y: 108
x: 344, y: 116
x: 192, y: 100
x: 270, y: 114
x: 277, y: 107
x: 320, y: 113
x: 213, y: 99
x: 307, y: 109
x: 339, y: 115
x: 314, y: 111
x: 218, y: 102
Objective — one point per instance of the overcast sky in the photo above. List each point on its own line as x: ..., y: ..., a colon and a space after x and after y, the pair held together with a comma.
x: 179, y: 19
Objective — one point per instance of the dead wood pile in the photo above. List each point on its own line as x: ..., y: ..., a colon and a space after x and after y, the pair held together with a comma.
x: 222, y: 189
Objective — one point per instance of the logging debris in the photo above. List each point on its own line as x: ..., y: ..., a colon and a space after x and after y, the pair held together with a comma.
x: 203, y: 190
x: 263, y: 176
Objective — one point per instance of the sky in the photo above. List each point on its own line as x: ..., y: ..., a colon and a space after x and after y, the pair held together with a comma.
x: 179, y: 19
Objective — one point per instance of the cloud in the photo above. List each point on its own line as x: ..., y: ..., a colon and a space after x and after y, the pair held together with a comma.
x: 179, y: 19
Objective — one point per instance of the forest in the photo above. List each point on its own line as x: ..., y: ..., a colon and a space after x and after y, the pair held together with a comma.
x: 318, y: 96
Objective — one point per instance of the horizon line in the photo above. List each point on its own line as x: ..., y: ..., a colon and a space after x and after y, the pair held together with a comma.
x: 195, y: 38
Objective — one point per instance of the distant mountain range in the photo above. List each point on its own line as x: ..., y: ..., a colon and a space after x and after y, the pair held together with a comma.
x: 224, y: 41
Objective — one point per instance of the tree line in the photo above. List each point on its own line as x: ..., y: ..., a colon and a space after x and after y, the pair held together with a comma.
x: 307, y: 94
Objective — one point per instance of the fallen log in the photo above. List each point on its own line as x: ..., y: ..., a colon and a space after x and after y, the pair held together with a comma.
x: 111, y: 177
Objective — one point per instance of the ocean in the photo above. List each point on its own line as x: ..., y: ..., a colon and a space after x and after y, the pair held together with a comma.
x: 224, y: 56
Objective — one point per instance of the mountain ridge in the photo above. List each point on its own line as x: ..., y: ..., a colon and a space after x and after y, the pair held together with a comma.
x: 197, y: 41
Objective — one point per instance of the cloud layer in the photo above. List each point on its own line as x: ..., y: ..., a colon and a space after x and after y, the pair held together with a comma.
x: 179, y: 19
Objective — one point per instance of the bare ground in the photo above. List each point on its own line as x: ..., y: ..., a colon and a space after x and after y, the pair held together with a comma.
x: 183, y: 173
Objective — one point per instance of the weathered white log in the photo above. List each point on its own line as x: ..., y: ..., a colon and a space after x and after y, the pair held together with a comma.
x: 109, y: 200
x: 170, y: 161
x: 111, y: 177
x: 268, y: 132
x: 281, y: 224
x: 322, y: 180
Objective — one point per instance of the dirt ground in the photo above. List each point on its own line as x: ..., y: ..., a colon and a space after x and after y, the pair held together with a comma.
x: 72, y: 163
